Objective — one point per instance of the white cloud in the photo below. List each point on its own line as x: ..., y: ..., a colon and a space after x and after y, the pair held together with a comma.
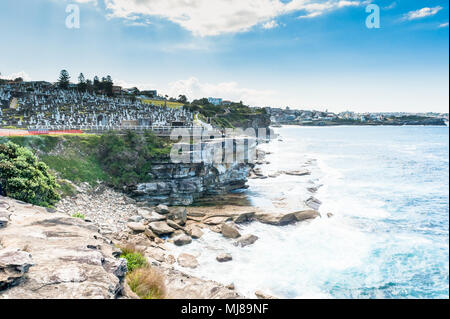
x: 86, y: 1
x: 270, y: 25
x: 393, y: 5
x: 13, y: 76
x: 443, y: 25
x: 129, y: 85
x: 316, y: 9
x: 215, y: 17
x: 194, y: 89
x: 422, y: 13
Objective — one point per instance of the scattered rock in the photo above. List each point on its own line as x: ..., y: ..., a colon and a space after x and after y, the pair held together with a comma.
x: 216, y: 220
x: 246, y: 240
x: 230, y: 231
x: 155, y: 253
x: 184, y: 286
x: 244, y: 218
x: 313, y: 203
x: 187, y: 261
x: 329, y: 215
x: 178, y: 215
x: 174, y: 225
x: 136, y: 227
x: 222, y: 258
x: 276, y: 219
x: 195, y: 232
x: 153, y: 217
x: 182, y: 240
x: 162, y: 209
x: 161, y: 228
x: 307, y: 214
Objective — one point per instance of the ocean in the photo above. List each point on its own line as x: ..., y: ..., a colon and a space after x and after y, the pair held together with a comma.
x: 388, y: 191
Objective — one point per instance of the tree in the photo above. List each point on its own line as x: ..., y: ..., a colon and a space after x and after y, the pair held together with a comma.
x: 108, y: 85
x: 96, y: 83
x: 182, y: 99
x: 24, y: 178
x: 64, y: 80
x: 82, y: 83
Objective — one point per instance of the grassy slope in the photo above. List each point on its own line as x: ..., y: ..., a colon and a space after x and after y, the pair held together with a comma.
x: 85, y: 158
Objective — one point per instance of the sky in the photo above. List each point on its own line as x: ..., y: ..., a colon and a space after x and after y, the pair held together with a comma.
x: 305, y: 54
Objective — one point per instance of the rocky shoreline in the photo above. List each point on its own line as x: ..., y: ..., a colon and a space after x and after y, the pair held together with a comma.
x: 89, y: 267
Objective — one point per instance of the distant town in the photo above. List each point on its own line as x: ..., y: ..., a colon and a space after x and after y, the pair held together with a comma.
x: 99, y: 102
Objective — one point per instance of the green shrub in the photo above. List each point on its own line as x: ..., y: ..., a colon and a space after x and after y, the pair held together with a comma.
x: 135, y: 260
x: 79, y: 215
x: 127, y: 158
x: 24, y: 178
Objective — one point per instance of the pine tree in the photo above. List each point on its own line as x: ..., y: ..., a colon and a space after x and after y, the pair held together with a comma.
x: 82, y: 83
x: 64, y: 80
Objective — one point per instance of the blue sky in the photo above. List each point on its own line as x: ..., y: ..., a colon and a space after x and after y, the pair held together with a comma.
x: 314, y: 54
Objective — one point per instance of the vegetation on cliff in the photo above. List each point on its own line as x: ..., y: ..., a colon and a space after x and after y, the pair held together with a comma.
x: 117, y: 160
x: 228, y: 116
x: 25, y: 178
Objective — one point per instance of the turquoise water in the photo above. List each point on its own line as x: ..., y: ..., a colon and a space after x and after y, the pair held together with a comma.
x: 389, y: 237
x: 392, y: 185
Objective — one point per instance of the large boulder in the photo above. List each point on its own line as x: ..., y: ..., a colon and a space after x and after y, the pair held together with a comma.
x: 222, y: 258
x: 153, y: 217
x: 182, y: 240
x: 136, y: 227
x: 187, y: 261
x: 246, y: 240
x: 162, y: 209
x: 178, y: 215
x: 276, y: 219
x: 306, y: 214
x: 230, y: 231
x: 194, y: 231
x: 244, y: 218
x: 161, y: 228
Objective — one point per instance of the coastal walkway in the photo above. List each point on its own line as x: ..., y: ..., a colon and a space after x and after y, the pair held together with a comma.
x: 160, y: 131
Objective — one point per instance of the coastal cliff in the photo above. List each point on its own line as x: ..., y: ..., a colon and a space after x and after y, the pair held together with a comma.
x: 181, y: 184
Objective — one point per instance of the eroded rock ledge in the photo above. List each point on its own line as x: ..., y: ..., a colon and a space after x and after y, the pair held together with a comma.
x: 48, y: 255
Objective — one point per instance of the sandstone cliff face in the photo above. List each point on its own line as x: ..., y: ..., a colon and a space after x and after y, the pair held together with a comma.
x: 180, y: 184
x: 52, y: 256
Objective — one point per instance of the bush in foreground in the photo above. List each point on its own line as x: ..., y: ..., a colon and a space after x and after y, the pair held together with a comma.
x: 133, y: 257
x: 24, y: 178
x: 147, y: 283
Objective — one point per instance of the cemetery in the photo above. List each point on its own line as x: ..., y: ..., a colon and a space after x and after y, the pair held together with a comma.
x: 37, y: 106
